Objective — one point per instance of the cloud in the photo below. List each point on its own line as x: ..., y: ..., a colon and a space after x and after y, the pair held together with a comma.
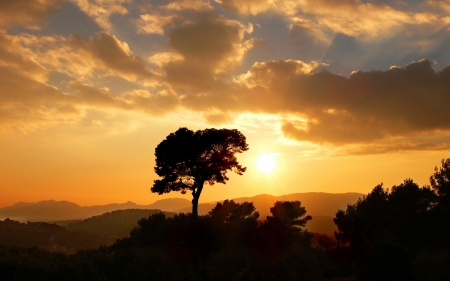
x: 261, y: 90
x: 194, y: 5
x: 217, y: 118
x: 101, y: 10
x: 355, y: 17
x: 15, y: 58
x: 208, y: 39
x: 139, y: 100
x: 349, y: 17
x: 84, y: 58
x: 396, y: 147
x: 251, y: 7
x: 111, y: 54
x: 199, y: 63
x: 153, y: 23
x: 28, y: 101
x: 26, y: 13
x: 161, y: 103
x: 367, y: 107
x: 90, y: 95
x: 204, y: 47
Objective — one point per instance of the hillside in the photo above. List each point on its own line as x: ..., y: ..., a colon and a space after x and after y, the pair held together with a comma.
x: 113, y: 225
x: 47, y: 236
x: 51, y: 211
x: 316, y: 204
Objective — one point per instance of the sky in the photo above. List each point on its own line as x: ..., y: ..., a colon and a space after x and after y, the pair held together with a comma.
x: 340, y: 95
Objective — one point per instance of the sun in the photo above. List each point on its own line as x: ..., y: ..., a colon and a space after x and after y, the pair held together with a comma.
x: 266, y: 163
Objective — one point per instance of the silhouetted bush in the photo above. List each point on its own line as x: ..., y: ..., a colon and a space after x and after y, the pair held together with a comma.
x: 398, y: 234
x: 386, y: 263
x: 431, y: 264
x: 394, y: 234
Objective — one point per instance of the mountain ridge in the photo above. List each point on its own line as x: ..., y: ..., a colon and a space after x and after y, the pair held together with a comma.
x: 316, y: 204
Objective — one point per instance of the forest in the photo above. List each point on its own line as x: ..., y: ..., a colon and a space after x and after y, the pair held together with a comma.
x: 397, y: 233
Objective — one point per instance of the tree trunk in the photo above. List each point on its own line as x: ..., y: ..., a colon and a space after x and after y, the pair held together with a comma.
x: 196, y: 196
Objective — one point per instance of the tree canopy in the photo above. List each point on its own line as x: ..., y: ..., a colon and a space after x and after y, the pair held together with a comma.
x: 440, y: 180
x: 289, y: 213
x: 399, y: 216
x: 230, y: 211
x: 186, y: 160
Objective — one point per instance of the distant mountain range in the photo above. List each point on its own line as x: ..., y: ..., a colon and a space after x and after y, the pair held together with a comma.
x: 316, y: 204
x: 50, y: 210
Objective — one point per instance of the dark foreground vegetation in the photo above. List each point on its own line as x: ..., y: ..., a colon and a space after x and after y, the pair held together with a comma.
x: 401, y: 233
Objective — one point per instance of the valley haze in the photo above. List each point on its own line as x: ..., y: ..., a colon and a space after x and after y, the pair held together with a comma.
x: 316, y: 204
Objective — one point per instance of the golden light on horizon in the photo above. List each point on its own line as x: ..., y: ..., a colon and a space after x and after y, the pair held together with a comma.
x: 266, y: 163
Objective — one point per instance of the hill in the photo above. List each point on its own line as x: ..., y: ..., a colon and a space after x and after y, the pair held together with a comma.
x: 51, y: 211
x: 68, y: 237
x: 321, y: 206
x: 47, y: 236
x: 316, y: 204
x: 113, y: 225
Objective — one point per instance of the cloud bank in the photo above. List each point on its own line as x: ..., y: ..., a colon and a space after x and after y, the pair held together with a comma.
x: 214, y: 60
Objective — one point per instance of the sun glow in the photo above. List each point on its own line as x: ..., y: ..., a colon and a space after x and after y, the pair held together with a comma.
x: 266, y: 163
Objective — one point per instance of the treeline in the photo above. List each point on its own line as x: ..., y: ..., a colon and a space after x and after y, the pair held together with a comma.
x: 227, y: 244
x: 50, y: 237
x: 113, y: 225
x: 401, y: 233
x: 68, y: 237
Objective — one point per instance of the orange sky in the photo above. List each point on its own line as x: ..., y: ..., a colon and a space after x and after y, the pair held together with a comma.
x: 89, y: 89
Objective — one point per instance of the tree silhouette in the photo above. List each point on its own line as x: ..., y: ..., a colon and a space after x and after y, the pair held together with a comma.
x: 235, y: 222
x: 230, y: 211
x: 289, y: 213
x: 440, y: 180
x: 186, y: 160
x: 440, y: 214
x: 398, y: 216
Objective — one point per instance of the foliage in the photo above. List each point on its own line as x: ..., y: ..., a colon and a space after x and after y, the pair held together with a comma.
x: 431, y: 264
x: 289, y: 213
x: 47, y: 236
x: 398, y: 216
x: 186, y: 160
x: 388, y: 232
x: 440, y: 180
x: 113, y: 225
x: 229, y: 211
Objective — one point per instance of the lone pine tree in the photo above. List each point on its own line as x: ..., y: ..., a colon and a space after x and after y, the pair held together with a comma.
x: 186, y: 160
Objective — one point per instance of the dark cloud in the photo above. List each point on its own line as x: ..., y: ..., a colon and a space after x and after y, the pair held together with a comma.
x: 208, y: 39
x: 209, y: 45
x: 365, y: 108
x: 405, y: 146
x: 371, y: 106
x: 28, y: 13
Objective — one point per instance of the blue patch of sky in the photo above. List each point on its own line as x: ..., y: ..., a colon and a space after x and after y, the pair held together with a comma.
x: 348, y: 53
x: 143, y: 45
x: 343, y: 55
x: 404, y: 5
x: 279, y: 45
x: 441, y: 52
